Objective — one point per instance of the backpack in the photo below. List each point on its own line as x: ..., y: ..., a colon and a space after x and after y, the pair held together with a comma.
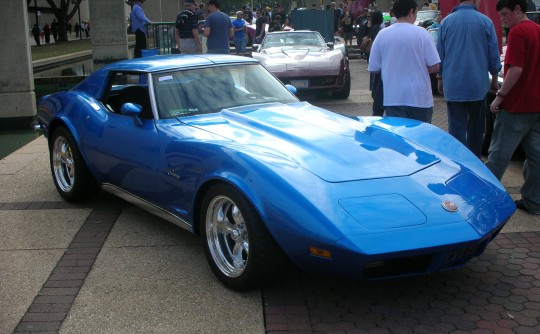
x: 183, y: 19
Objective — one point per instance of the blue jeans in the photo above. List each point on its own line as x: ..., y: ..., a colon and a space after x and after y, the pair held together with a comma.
x: 240, y: 44
x: 509, y: 131
x: 421, y: 114
x: 378, y: 95
x: 467, y: 123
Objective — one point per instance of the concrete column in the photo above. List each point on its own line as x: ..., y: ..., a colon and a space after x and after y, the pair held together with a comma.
x: 108, y: 31
x: 17, y: 99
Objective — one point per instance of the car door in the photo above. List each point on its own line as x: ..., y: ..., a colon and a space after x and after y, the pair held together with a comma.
x: 123, y: 148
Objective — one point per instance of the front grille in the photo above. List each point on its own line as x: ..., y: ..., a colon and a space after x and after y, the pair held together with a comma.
x: 318, y: 82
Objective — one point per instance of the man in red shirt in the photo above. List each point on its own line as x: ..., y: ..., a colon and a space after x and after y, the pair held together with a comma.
x: 517, y: 103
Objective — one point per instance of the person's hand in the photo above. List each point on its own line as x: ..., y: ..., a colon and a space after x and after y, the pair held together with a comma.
x: 440, y: 86
x: 494, y: 106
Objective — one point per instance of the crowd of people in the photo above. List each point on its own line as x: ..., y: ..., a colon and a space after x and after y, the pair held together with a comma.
x: 52, y: 30
x: 466, y: 51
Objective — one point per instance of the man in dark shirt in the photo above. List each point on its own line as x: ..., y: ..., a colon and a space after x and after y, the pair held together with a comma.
x: 260, y: 27
x: 187, y: 32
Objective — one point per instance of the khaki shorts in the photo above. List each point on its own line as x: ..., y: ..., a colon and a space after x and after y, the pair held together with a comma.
x: 188, y: 46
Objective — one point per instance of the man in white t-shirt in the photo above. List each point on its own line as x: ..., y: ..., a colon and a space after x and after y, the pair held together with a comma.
x: 405, y: 55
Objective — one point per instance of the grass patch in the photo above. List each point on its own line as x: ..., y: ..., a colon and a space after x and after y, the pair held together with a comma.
x: 60, y: 48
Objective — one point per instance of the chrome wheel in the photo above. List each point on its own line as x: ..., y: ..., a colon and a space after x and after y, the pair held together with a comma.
x: 71, y: 177
x: 227, y: 236
x: 237, y: 245
x: 63, y: 164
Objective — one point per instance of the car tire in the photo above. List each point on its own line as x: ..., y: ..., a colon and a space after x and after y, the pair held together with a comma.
x: 70, y: 173
x: 343, y: 94
x: 237, y: 245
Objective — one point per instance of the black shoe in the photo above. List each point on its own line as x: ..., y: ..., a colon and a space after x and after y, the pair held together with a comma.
x: 520, y: 205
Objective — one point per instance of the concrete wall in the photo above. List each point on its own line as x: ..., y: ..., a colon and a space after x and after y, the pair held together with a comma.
x: 17, y: 99
x: 109, y: 38
x: 108, y: 31
x: 162, y: 10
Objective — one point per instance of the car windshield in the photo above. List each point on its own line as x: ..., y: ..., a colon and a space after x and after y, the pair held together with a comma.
x: 293, y: 39
x: 211, y: 89
x: 426, y: 15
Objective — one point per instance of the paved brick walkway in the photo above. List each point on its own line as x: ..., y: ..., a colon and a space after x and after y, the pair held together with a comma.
x: 499, y: 292
x: 53, y: 302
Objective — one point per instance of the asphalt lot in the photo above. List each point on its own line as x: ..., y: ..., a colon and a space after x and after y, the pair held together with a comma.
x: 108, y: 267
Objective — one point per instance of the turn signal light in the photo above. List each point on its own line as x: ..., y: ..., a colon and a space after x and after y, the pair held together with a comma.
x: 320, y: 252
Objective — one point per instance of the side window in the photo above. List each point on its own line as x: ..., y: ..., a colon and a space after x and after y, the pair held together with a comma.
x: 129, y: 87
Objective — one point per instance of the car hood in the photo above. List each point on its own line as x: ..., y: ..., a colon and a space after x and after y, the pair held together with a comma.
x: 288, y: 61
x: 334, y: 147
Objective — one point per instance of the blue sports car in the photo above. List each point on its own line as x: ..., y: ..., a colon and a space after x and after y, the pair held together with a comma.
x: 219, y: 146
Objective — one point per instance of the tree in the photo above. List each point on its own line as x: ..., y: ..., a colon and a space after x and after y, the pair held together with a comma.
x: 63, y: 12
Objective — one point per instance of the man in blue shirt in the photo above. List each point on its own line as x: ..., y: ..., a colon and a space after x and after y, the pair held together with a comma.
x: 468, y: 49
x: 239, y: 26
x: 217, y: 29
x: 138, y: 19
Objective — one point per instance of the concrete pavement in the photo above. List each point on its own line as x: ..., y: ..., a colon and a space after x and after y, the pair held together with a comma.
x: 108, y: 267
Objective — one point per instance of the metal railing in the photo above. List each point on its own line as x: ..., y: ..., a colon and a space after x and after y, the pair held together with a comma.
x: 160, y: 37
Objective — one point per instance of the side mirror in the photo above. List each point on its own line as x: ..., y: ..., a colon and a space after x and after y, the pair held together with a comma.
x: 134, y: 110
x: 291, y: 88
x: 330, y: 45
x: 255, y: 47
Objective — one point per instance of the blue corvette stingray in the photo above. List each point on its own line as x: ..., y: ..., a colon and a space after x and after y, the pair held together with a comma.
x: 217, y: 145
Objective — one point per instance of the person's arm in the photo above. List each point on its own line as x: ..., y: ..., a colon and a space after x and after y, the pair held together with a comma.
x: 263, y: 27
x: 197, y: 39
x: 494, y: 83
x: 510, y: 79
x: 177, y: 37
x: 206, y: 32
x: 140, y: 15
x: 433, y: 68
x: 494, y: 65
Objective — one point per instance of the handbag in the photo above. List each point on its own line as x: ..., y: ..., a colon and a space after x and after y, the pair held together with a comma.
x: 365, y: 47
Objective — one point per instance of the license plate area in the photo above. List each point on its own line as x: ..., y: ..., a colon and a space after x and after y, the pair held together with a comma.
x: 300, y: 84
x: 461, y: 255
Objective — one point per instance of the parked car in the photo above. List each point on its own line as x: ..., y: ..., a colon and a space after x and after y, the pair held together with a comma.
x: 217, y: 145
x: 425, y: 18
x: 302, y: 59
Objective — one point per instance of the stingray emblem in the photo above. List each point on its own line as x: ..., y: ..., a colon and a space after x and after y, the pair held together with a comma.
x: 174, y: 174
x: 450, y: 206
